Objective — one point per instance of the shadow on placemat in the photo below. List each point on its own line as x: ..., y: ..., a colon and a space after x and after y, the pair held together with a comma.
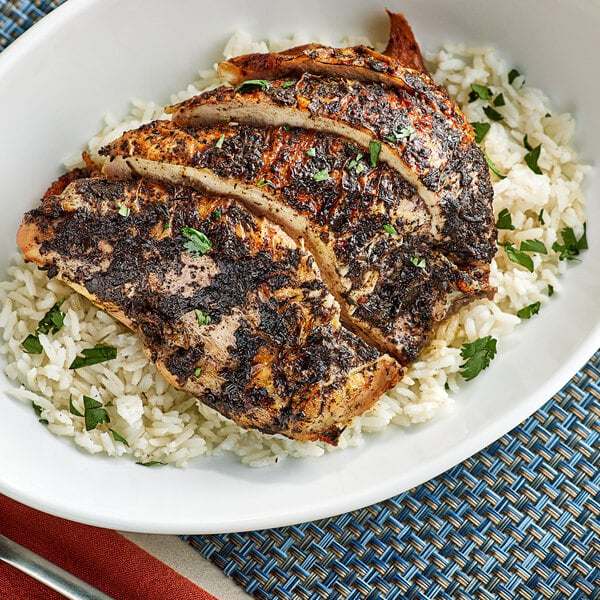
x: 518, y: 520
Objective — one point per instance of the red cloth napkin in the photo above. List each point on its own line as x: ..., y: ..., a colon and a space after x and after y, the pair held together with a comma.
x: 102, y: 557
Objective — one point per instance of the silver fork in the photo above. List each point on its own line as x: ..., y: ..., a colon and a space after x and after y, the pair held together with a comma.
x: 47, y: 573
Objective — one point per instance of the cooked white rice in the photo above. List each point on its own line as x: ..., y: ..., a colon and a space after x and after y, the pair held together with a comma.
x: 163, y: 424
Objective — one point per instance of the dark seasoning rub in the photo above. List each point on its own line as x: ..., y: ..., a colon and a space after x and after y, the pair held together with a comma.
x: 282, y: 341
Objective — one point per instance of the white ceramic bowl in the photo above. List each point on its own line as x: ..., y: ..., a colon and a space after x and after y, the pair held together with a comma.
x: 90, y: 57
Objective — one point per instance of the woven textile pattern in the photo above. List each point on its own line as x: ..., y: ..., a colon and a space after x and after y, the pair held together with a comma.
x: 518, y: 520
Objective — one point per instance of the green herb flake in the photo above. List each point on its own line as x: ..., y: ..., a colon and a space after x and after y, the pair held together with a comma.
x: 517, y: 256
x: 53, y: 320
x: 526, y: 143
x: 540, y: 217
x: 124, y: 210
x: 197, y: 371
x: 531, y: 158
x: 118, y: 437
x: 203, y: 318
x: 216, y: 214
x: 571, y: 246
x: 399, y: 134
x: 492, y: 113
x: 533, y: 246
x: 388, y: 228
x: 480, y: 91
x: 285, y: 127
x: 355, y: 163
x: 262, y: 182
x: 72, y: 408
x: 92, y: 356
x: 262, y: 83
x: 493, y: 169
x: 480, y: 130
x: 197, y: 244
x: 550, y: 291
x: 360, y: 167
x: 166, y: 226
x: 37, y: 409
x: 374, y: 150
x: 311, y: 152
x: 220, y: 141
x: 499, y: 100
x: 418, y: 262
x: 94, y: 413
x: 528, y: 311
x: 513, y: 74
x: 504, y: 220
x: 477, y: 355
x: 31, y: 345
x: 288, y: 84
x: 322, y: 175
x: 151, y: 463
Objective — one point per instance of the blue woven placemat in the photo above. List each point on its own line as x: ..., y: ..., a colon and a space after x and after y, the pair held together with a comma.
x: 518, y: 520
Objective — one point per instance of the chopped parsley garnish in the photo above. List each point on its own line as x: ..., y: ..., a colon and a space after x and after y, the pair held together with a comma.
x: 197, y: 371
x: 95, y: 355
x: 518, y: 256
x: 499, y: 100
x: 31, y: 344
x: 389, y: 228
x: 504, y: 220
x: 550, y: 290
x: 94, y: 413
x: 374, y: 150
x: 531, y: 158
x: 216, y: 214
x: 322, y: 175
x: 403, y: 132
x: 528, y: 311
x: 526, y: 143
x: 38, y: 411
x: 124, y: 210
x: 513, y: 74
x: 118, y: 437
x: 480, y: 130
x: 263, y: 83
x: 51, y: 322
x: 311, y: 152
x: 151, y: 463
x: 541, y: 217
x: 493, y: 169
x: 492, y: 113
x: 285, y: 127
x: 288, y: 84
x: 418, y: 262
x: 479, y: 91
x: 262, y: 182
x: 220, y: 141
x: 203, y: 318
x: 533, y: 246
x: 197, y: 243
x: 356, y: 164
x: 477, y: 355
x: 571, y: 246
x: 72, y: 408
x: 166, y: 226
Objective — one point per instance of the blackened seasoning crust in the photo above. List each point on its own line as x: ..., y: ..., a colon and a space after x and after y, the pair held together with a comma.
x: 272, y: 357
x: 342, y: 217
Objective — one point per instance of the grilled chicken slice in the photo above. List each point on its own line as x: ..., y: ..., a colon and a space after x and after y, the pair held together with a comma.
x: 422, y: 136
x: 402, y: 45
x: 359, y: 62
x: 368, y: 229
x: 227, y: 305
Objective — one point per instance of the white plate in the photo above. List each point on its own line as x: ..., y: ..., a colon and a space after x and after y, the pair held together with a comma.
x: 92, y: 56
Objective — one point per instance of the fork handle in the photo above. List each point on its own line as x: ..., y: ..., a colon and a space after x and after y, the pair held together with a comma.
x: 47, y: 573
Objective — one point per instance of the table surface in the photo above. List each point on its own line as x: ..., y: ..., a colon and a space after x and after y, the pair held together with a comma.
x: 519, y: 519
